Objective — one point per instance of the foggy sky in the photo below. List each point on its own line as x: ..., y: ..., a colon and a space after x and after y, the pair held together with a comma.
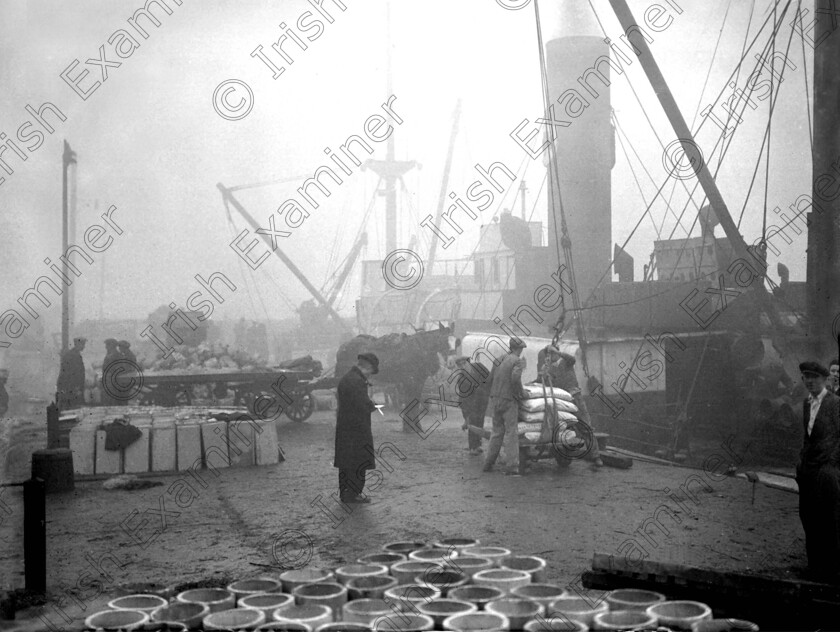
x: 149, y: 141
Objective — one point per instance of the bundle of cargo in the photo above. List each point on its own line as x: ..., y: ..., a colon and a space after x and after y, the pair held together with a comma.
x: 206, y: 357
x: 453, y: 584
x: 543, y: 405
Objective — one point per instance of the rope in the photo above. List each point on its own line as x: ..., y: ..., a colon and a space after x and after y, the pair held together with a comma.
x: 807, y: 89
x: 562, y: 240
x: 765, y: 139
x: 633, y: 171
x: 768, y: 137
x: 639, y: 102
x: 725, y: 149
x: 712, y: 63
x: 743, y: 52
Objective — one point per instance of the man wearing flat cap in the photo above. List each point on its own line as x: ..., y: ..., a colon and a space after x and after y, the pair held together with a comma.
x: 505, y: 393
x: 70, y: 387
x: 818, y: 474
x: 353, y: 438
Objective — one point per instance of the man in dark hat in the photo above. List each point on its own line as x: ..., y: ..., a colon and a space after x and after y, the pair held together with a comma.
x: 124, y: 347
x: 818, y: 473
x: 70, y: 387
x: 109, y: 367
x: 474, y: 405
x: 353, y: 438
x: 505, y: 393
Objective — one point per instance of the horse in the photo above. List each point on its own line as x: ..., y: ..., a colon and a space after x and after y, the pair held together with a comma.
x: 405, y: 361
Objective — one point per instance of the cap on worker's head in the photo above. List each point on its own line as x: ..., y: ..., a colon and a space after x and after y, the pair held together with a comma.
x: 813, y: 367
x: 110, y: 342
x: 372, y: 360
x: 123, y: 343
x: 79, y: 340
x: 517, y: 343
x: 462, y: 359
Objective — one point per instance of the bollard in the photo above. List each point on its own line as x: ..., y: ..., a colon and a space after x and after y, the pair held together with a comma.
x: 35, y: 535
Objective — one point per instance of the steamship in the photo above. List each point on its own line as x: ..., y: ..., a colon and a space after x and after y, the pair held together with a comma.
x: 706, y: 344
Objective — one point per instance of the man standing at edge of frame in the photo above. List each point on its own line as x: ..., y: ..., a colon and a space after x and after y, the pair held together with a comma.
x: 353, y: 437
x: 818, y: 474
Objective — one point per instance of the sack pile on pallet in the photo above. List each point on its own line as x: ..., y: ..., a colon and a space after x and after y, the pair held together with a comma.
x: 533, y: 410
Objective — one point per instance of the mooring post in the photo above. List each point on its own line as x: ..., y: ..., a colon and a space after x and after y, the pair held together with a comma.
x: 35, y: 535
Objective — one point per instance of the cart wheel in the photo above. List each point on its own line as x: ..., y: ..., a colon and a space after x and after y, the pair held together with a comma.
x: 573, y: 445
x: 563, y: 462
x: 302, y: 406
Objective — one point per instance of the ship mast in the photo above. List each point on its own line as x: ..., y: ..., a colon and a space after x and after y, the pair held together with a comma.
x: 390, y: 170
x: 823, y: 276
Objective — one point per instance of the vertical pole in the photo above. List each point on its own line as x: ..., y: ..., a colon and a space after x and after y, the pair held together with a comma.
x: 824, y: 229
x: 35, y: 535
x: 390, y: 179
x: 522, y: 190
x: 65, y: 296
x: 444, y: 183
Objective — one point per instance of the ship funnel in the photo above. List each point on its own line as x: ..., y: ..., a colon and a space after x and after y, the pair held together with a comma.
x: 580, y: 72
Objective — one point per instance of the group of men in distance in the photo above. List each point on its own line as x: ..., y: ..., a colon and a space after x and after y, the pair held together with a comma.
x: 500, y: 389
x: 70, y: 387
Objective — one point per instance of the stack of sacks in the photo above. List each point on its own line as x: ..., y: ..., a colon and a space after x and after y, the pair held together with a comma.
x: 532, y: 410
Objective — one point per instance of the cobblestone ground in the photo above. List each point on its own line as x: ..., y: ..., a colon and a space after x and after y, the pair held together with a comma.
x: 426, y: 488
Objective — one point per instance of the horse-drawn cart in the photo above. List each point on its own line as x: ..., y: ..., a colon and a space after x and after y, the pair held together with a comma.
x: 267, y: 393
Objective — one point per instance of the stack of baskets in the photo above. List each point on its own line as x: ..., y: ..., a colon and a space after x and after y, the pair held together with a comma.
x: 453, y: 584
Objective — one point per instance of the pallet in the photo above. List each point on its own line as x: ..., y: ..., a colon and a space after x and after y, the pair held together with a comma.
x: 767, y: 601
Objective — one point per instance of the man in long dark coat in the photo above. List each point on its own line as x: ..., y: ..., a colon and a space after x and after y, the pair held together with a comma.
x: 818, y: 474
x: 71, y: 377
x: 354, y: 453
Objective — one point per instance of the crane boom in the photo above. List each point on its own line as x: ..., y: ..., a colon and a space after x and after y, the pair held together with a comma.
x: 445, y: 181
x: 229, y: 197
x: 345, y: 272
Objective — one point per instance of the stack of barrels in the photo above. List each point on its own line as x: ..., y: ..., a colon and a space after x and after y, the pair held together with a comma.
x: 453, y: 584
